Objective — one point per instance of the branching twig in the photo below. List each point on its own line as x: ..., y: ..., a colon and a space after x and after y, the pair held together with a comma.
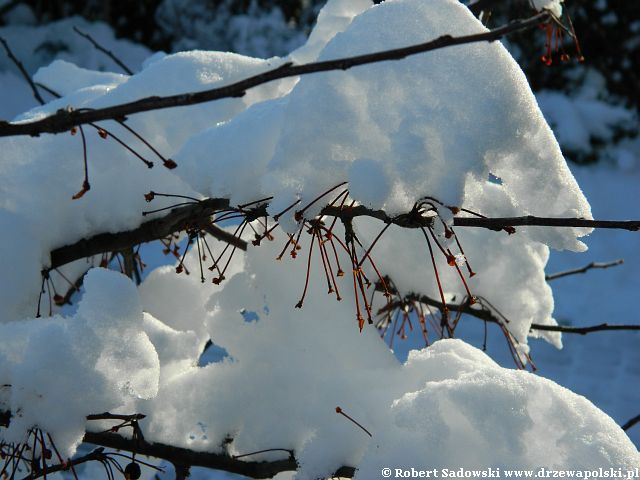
x: 96, y: 455
x: 554, y: 276
x: 109, y: 53
x: 183, y: 456
x: 64, y: 119
x: 489, y: 316
x: 176, y: 220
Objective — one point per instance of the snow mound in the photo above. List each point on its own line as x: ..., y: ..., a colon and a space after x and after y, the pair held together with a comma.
x: 62, y: 369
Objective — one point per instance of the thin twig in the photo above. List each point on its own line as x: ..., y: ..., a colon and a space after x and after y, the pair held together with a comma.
x: 96, y: 455
x: 109, y: 53
x: 64, y: 119
x: 554, y: 276
x: 23, y: 71
x: 584, y: 330
x: 634, y: 421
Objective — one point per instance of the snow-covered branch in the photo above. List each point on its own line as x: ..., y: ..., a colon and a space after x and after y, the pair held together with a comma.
x: 65, y: 119
x: 199, y: 215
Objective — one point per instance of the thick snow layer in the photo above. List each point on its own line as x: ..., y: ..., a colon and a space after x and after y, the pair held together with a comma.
x: 409, y: 117
x: 579, y: 121
x: 446, y: 395
x: 62, y: 369
x: 471, y: 406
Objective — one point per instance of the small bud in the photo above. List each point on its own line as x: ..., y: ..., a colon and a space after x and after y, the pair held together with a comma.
x: 179, y: 269
x: 74, y: 130
x: 58, y: 299
x: 132, y: 471
x: 85, y: 188
x: 149, y: 196
x: 338, y: 410
x: 102, y: 133
x: 170, y: 164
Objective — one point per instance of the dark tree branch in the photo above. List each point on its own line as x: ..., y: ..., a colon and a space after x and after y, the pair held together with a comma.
x: 99, y: 47
x: 23, y: 71
x: 176, y: 220
x: 198, y: 215
x: 217, y: 461
x: 586, y: 268
x: 116, y: 416
x: 63, y: 120
x: 635, y: 420
x: 584, y: 330
x: 530, y: 220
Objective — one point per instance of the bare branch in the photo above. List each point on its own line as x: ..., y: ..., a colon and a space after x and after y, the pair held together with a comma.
x: 634, y: 421
x: 109, y: 53
x: 23, y: 71
x: 584, y: 330
x: 592, y: 265
x: 530, y: 220
x: 116, y: 416
x: 64, y: 119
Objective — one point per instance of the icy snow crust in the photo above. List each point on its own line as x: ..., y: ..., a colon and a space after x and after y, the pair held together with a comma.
x: 434, y: 125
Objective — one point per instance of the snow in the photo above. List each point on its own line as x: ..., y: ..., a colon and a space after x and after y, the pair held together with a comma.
x: 554, y: 6
x: 397, y: 132
x: 579, y: 121
x: 336, y: 366
x: 100, y: 358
